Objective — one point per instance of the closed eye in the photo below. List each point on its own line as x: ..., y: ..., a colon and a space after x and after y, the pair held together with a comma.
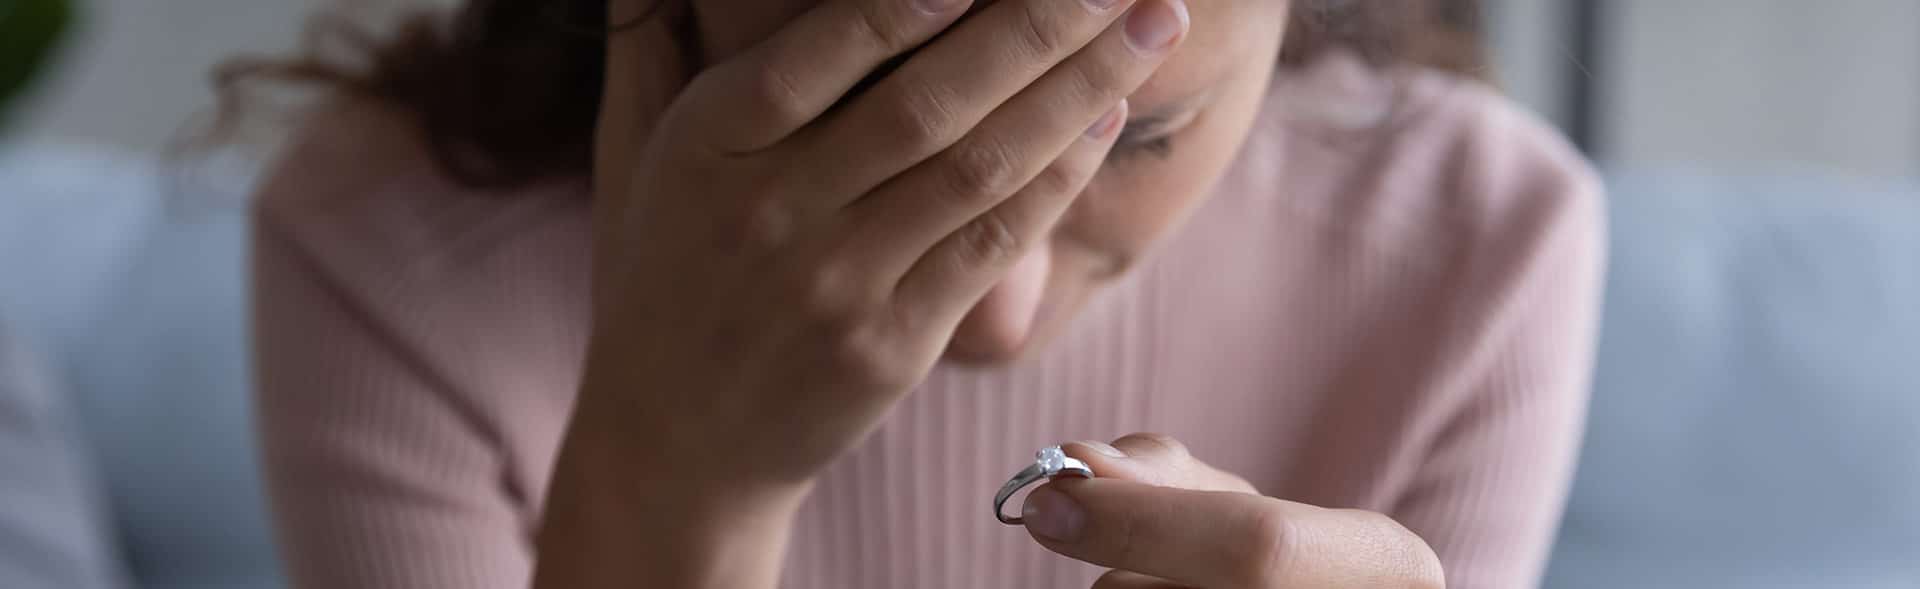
x: 1125, y: 148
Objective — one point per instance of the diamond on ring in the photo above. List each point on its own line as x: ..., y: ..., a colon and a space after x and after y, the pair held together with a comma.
x: 1051, y: 460
x: 1049, y: 463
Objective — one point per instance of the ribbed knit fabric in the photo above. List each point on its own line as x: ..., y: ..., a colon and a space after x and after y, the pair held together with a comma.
x: 1388, y: 304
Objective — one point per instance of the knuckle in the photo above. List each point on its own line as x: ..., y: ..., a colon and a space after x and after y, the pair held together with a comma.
x: 696, y: 101
x: 1063, y: 176
x: 830, y: 292
x: 1164, y: 444
x: 1042, y: 35
x: 923, y: 117
x: 865, y: 357
x: 761, y: 227
x: 703, y: 86
x: 870, y: 23
x: 986, y: 240
x: 985, y: 170
x: 1271, y: 543
x: 907, y: 316
x: 775, y: 90
x: 1097, y: 83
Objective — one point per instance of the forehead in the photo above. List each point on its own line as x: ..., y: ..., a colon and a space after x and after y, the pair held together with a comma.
x: 1225, y: 36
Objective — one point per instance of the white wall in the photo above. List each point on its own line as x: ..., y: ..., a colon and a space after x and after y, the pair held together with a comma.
x: 137, y: 70
x: 1758, y: 84
x: 1733, y: 85
x: 1741, y: 84
x: 1532, y: 53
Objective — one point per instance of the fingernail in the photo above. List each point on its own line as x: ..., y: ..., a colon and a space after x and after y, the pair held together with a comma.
x: 1053, y: 515
x: 1108, y: 122
x: 937, y: 6
x: 1104, y: 449
x: 1100, y: 5
x: 1155, y: 24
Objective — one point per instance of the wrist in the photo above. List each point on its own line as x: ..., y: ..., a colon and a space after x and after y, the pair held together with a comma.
x: 621, y: 422
x: 618, y: 516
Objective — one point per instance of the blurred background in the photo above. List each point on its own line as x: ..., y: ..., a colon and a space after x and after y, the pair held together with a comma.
x: 1756, y: 417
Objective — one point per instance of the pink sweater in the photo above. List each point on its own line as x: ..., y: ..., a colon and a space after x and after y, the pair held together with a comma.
x: 1389, y: 305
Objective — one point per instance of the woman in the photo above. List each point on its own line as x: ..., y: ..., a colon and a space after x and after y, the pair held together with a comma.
x: 839, y: 266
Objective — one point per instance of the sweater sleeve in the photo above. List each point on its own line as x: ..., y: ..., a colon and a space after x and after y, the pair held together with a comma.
x: 1490, y: 490
x: 380, y: 475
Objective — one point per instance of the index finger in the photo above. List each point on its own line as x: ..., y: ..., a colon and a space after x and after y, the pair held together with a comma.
x: 941, y: 94
x: 755, y: 100
x: 1224, y: 540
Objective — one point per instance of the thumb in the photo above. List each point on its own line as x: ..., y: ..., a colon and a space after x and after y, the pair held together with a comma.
x: 1208, y: 539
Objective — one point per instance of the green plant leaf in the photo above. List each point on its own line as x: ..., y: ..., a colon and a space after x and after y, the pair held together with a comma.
x: 29, y: 32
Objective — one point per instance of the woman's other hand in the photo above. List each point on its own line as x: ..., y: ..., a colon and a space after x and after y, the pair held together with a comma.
x: 1163, y: 519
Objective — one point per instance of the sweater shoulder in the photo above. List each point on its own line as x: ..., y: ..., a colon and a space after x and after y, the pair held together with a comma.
x: 358, y: 190
x: 1422, y: 164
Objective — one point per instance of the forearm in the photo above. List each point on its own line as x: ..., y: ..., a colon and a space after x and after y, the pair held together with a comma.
x: 630, y: 518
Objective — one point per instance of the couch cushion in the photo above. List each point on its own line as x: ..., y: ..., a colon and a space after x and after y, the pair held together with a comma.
x: 69, y: 218
x: 1754, y: 411
x: 166, y: 400
x: 53, y: 516
x: 138, y: 270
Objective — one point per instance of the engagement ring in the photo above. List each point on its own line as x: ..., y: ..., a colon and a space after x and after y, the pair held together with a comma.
x: 1050, y: 463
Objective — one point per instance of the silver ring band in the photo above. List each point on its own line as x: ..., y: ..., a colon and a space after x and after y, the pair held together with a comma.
x: 1049, y: 463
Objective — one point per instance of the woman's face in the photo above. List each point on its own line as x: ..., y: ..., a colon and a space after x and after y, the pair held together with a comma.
x: 1185, y: 126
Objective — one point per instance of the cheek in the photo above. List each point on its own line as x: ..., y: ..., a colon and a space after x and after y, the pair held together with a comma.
x: 1125, y: 210
x: 1137, y: 199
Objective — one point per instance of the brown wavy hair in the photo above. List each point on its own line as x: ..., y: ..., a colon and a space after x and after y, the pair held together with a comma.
x: 506, y: 91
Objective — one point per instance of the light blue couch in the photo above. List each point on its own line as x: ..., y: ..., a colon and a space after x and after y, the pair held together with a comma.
x: 1756, y: 421
x: 1756, y: 411
x: 137, y: 294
